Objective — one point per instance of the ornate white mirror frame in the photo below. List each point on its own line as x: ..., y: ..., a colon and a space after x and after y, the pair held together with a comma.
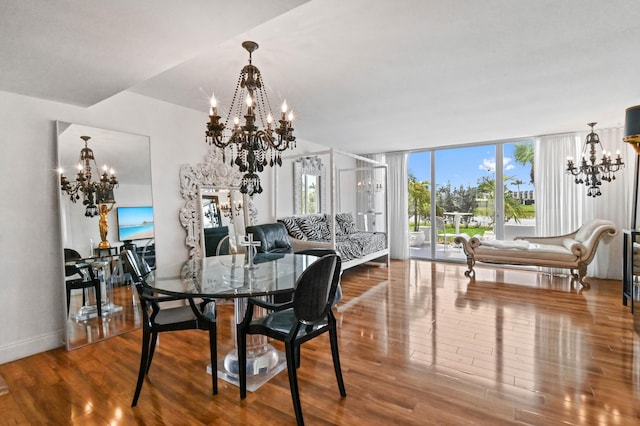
x: 213, y: 173
x: 309, y: 166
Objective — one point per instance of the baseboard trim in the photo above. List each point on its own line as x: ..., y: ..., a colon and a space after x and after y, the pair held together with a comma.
x: 24, y: 348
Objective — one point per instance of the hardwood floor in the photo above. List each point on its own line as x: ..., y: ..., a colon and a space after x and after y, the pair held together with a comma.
x: 419, y: 344
x: 88, y: 331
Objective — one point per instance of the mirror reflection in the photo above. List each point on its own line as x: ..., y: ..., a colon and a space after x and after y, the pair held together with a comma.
x: 223, y: 219
x: 309, y: 178
x: 105, y: 205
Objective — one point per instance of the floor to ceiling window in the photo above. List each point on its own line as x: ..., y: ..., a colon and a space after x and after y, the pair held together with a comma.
x: 519, y: 200
x: 482, y: 190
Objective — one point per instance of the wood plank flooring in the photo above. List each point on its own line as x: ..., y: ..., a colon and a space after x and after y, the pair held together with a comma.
x: 419, y: 343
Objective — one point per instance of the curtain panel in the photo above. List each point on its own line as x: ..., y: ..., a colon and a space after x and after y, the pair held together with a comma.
x: 562, y: 205
x: 398, y: 177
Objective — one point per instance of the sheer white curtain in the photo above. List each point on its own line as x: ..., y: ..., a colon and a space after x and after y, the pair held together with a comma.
x: 398, y: 200
x: 562, y: 205
x: 558, y: 199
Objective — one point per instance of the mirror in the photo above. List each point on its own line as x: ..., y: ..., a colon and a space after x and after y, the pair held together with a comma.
x: 310, y: 186
x: 92, y: 242
x: 202, y: 186
x: 222, y: 214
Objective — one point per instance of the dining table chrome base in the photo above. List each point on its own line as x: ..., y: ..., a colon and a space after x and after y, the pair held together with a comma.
x: 262, y: 365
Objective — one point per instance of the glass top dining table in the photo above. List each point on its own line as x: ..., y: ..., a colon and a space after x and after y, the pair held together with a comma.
x: 232, y: 277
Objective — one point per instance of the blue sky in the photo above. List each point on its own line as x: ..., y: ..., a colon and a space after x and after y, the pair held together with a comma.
x: 464, y: 166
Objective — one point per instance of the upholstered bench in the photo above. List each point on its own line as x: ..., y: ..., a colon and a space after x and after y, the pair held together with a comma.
x: 572, y: 251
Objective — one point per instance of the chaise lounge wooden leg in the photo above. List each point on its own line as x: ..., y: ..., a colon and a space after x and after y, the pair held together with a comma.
x: 471, y: 261
x: 582, y: 272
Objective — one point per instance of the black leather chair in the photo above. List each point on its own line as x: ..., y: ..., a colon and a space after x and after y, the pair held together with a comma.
x: 212, y: 239
x: 308, y: 315
x: 273, y: 237
x: 80, y: 276
x: 157, y: 319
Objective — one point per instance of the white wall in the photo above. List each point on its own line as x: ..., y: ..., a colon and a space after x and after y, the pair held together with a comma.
x: 32, y: 310
x: 32, y: 302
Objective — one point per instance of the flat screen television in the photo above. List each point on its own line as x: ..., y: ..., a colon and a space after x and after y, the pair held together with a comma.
x: 135, y: 223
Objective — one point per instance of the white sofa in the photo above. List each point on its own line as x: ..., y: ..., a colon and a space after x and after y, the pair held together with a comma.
x: 572, y: 251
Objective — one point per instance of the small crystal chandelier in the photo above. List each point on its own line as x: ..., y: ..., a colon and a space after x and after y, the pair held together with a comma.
x: 589, y: 171
x: 93, y: 192
x: 229, y: 208
x: 251, y: 148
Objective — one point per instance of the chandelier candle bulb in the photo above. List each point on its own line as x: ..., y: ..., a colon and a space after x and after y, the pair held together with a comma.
x: 214, y: 110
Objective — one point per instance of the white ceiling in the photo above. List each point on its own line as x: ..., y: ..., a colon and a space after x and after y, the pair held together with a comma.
x: 362, y: 75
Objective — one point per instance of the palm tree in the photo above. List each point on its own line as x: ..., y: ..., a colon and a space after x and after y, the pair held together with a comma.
x: 523, y: 154
x: 517, y: 183
x: 419, y: 199
x: 512, y: 207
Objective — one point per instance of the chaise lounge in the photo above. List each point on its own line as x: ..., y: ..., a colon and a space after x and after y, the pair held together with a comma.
x: 572, y: 251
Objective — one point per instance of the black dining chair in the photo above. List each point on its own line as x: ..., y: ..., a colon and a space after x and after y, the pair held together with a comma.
x: 308, y: 315
x: 80, y: 276
x: 319, y: 252
x: 157, y: 319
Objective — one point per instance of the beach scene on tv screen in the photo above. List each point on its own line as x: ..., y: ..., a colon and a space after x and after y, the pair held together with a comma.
x: 135, y: 223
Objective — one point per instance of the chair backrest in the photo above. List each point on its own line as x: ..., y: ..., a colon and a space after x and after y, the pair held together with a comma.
x: 223, y: 246
x: 137, y: 267
x: 316, y: 288
x: 319, y: 252
x: 71, y: 254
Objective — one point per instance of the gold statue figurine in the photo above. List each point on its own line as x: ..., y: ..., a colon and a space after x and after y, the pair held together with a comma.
x: 104, y: 225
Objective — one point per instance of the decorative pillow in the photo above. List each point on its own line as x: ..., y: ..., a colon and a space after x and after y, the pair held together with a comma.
x: 310, y: 226
x: 346, y: 222
x: 292, y: 228
x: 325, y: 231
x: 326, y: 218
x: 329, y: 222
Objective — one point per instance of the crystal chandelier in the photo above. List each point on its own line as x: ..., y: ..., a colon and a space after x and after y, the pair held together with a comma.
x: 589, y: 171
x: 93, y: 192
x: 251, y: 148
